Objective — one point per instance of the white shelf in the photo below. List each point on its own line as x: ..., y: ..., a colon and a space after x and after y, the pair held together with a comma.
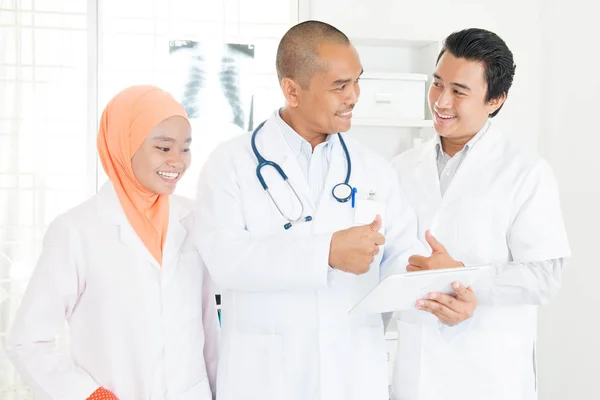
x: 392, y: 42
x: 405, y: 123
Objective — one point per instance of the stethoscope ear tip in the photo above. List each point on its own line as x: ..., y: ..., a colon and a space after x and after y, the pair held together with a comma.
x: 287, y: 226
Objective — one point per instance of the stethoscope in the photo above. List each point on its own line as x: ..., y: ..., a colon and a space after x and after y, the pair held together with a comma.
x: 342, y: 192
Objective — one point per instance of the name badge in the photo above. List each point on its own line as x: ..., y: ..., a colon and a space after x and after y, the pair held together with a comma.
x: 365, y: 210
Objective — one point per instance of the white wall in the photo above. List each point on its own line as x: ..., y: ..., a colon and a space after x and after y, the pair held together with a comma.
x: 569, y: 329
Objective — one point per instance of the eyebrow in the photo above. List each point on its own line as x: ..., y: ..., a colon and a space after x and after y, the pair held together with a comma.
x: 170, y: 139
x: 460, y: 85
x: 344, y: 81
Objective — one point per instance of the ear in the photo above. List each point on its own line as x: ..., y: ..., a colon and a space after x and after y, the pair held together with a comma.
x: 291, y: 91
x: 495, y: 103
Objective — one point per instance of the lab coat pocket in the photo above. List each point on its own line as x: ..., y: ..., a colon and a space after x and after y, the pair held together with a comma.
x: 200, y: 391
x: 254, y: 312
x: 256, y: 367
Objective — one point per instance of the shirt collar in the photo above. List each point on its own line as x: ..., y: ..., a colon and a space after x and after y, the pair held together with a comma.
x: 470, y: 144
x: 296, y: 142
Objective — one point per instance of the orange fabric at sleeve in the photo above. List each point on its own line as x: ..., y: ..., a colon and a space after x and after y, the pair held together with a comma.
x: 102, y: 394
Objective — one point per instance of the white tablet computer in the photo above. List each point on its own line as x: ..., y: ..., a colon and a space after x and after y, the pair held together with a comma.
x: 400, y: 292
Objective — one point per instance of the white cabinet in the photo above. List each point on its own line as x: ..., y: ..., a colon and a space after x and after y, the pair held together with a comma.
x: 391, y: 96
x: 400, y: 68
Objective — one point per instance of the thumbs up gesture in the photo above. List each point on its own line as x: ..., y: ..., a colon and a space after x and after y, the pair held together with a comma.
x: 439, y: 257
x: 354, y: 249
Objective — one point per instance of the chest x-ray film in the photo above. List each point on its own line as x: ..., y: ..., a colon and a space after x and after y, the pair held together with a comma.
x: 214, y: 83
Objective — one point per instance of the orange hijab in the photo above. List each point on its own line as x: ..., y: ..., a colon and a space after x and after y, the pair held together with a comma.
x: 126, y: 122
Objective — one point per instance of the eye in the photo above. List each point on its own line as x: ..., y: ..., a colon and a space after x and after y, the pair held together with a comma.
x: 186, y: 150
x: 458, y: 93
x: 164, y: 149
x: 436, y: 84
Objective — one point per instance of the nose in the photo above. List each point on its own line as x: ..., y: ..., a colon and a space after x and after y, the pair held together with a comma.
x: 444, y: 100
x: 353, y: 94
x: 176, y: 160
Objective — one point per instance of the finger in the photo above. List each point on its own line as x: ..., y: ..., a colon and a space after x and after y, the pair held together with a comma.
x: 375, y: 250
x: 379, y: 239
x: 376, y: 224
x: 464, y: 293
x: 419, y: 261
x: 443, y: 313
x: 447, y: 301
x: 413, y: 268
x: 444, y: 319
x: 436, y: 247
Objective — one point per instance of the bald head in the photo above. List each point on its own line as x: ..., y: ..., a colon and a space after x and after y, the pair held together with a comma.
x: 298, y: 51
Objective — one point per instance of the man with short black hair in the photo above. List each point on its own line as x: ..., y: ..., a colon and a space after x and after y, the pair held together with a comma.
x: 490, y: 203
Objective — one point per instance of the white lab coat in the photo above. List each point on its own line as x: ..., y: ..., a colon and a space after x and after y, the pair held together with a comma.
x: 286, y: 331
x: 501, y: 207
x: 142, y: 331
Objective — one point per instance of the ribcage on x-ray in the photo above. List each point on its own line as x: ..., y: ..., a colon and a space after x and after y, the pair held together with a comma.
x: 195, y: 81
x: 229, y: 77
x: 225, y: 66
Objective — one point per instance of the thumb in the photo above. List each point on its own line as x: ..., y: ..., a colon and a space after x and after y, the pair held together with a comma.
x: 436, y: 247
x: 376, y: 224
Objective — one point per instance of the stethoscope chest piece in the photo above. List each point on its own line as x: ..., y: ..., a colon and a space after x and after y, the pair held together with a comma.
x: 342, y: 192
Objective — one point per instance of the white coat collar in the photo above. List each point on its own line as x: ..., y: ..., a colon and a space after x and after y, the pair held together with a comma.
x: 470, y: 177
x: 111, y: 212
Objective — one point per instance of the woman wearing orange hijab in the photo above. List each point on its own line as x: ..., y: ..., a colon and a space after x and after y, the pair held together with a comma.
x: 123, y: 271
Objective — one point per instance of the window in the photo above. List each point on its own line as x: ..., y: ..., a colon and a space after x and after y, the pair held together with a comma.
x: 46, y: 151
x: 60, y: 63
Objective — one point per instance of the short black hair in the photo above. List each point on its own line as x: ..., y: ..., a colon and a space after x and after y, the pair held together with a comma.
x: 297, y: 53
x: 488, y: 48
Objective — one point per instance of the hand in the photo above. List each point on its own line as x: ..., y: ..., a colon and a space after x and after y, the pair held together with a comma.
x: 450, y: 310
x: 354, y: 249
x: 439, y: 257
